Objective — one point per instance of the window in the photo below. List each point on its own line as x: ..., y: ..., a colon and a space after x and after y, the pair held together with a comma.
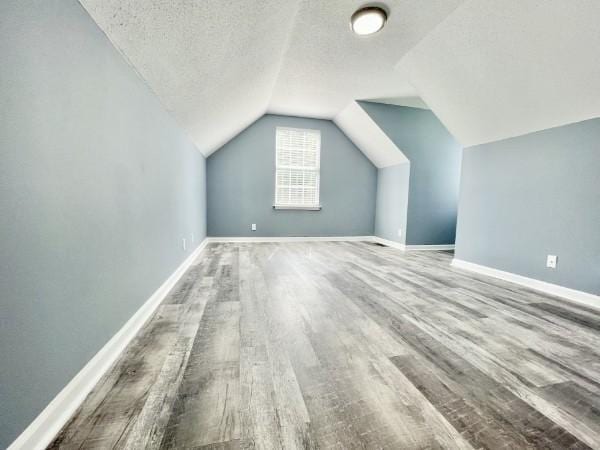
x: 297, y: 168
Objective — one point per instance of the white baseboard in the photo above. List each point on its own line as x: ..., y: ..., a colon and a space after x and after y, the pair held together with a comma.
x: 290, y: 239
x: 430, y: 247
x: 389, y: 243
x: 411, y: 248
x: 50, y: 421
x: 538, y: 285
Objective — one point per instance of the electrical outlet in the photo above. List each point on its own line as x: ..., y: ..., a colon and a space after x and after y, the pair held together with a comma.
x: 399, y: 232
x: 183, y: 243
x: 253, y: 227
x: 551, y: 261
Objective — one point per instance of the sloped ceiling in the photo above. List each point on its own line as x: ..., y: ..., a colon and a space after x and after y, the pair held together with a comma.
x: 326, y: 66
x: 494, y: 70
x: 212, y: 63
x: 488, y: 69
x: 413, y: 102
x: 356, y: 123
x: 218, y: 65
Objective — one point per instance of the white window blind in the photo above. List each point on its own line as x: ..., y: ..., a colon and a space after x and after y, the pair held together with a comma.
x: 298, y: 162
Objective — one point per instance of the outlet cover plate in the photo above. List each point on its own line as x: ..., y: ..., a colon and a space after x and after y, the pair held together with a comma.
x: 551, y: 261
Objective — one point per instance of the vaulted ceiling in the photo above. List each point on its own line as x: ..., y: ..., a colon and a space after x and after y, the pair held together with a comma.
x: 489, y: 69
x: 496, y: 69
x: 218, y: 65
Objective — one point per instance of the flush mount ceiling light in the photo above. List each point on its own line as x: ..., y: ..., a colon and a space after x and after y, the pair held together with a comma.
x: 368, y: 20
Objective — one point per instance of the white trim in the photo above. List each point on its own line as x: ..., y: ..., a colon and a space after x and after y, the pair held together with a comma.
x: 280, y: 134
x: 389, y: 243
x: 290, y: 239
x: 538, y: 285
x: 50, y: 421
x: 393, y: 244
x: 430, y: 247
x: 300, y: 208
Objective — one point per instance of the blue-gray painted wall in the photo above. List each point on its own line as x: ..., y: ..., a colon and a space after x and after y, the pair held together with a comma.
x: 392, y: 202
x: 435, y: 158
x: 241, y: 185
x: 533, y: 195
x: 97, y: 188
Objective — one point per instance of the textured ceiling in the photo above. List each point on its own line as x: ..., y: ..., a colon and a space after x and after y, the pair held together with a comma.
x: 491, y: 72
x: 212, y: 63
x: 218, y: 65
x: 354, y: 121
x: 326, y: 66
x: 413, y: 102
x: 488, y: 69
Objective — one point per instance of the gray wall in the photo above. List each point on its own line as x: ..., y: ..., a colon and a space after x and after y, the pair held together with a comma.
x: 538, y: 194
x: 434, y: 170
x: 392, y: 202
x: 241, y: 185
x: 98, y: 186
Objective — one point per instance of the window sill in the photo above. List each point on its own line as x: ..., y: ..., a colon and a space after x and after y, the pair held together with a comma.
x: 299, y: 208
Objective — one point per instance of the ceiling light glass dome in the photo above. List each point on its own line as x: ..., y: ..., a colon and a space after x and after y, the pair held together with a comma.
x: 368, y: 20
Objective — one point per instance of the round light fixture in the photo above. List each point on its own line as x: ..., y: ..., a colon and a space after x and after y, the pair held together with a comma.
x: 368, y: 20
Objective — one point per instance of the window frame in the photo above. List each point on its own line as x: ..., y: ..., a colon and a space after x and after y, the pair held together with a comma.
x: 317, y: 170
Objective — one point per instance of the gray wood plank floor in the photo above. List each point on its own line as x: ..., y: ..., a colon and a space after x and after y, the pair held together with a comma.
x: 348, y: 345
